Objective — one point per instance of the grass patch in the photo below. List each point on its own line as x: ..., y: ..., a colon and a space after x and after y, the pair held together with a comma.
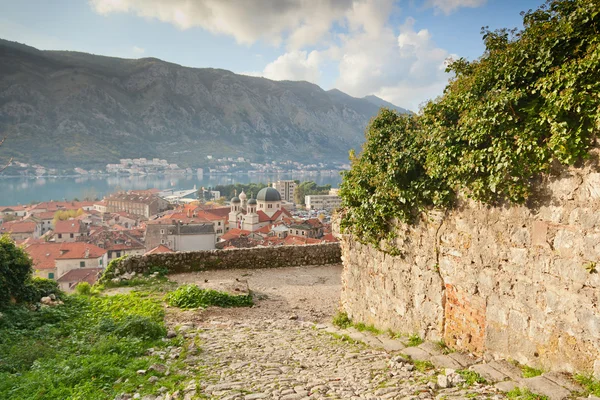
x: 423, y: 366
x: 471, y: 377
x: 88, y: 348
x: 524, y: 394
x: 361, y: 327
x: 591, y: 385
x: 530, y: 372
x: 341, y: 320
x: 444, y: 347
x: 414, y: 340
x: 191, y: 296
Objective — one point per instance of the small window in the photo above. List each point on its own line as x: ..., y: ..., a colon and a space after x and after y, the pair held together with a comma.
x: 118, y: 254
x: 50, y: 275
x: 71, y: 236
x: 302, y: 233
x: 81, y: 264
x: 219, y: 223
x: 162, y: 231
x: 270, y: 205
x: 60, y: 235
x: 162, y: 241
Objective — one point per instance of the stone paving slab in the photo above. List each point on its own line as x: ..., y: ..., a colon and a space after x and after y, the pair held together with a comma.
x: 417, y: 353
x: 506, y: 386
x: 508, y: 369
x: 563, y: 380
x: 389, y: 344
x: 443, y: 361
x: 431, y: 348
x: 546, y: 387
x: 488, y: 373
x: 464, y: 359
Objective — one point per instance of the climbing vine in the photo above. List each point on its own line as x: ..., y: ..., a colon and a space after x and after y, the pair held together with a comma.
x: 531, y: 100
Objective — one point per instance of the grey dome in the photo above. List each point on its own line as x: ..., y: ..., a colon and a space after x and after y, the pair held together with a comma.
x: 268, y: 194
x: 236, y: 200
x: 251, y: 202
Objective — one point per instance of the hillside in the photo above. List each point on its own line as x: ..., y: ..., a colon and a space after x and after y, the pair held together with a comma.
x: 64, y: 109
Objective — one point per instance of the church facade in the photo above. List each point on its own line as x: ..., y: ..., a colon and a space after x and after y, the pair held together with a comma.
x: 253, y: 214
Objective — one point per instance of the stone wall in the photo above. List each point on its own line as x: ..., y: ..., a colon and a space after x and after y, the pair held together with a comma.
x: 257, y: 257
x: 514, y: 282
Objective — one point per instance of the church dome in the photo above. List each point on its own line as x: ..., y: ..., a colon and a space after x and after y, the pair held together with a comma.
x: 235, y: 200
x: 251, y: 202
x: 243, y: 196
x: 268, y: 194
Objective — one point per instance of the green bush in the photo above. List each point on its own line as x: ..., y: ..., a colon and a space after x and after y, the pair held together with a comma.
x: 134, y: 326
x: 529, y: 103
x: 191, y: 296
x: 45, y: 287
x: 83, y: 288
x: 341, y: 320
x: 15, y: 272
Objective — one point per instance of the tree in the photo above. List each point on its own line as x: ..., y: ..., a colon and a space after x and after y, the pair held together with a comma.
x: 2, y: 168
x: 15, y: 271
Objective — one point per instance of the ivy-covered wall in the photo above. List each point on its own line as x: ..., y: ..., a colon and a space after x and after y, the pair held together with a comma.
x: 519, y: 282
x: 257, y: 257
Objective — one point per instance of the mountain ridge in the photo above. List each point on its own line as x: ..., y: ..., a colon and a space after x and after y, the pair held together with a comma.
x: 65, y: 108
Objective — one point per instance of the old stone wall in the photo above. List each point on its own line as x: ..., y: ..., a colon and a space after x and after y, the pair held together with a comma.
x: 257, y: 257
x: 514, y: 282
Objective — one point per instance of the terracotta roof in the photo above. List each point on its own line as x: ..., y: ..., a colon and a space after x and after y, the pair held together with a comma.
x: 114, y: 240
x: 265, y: 229
x: 159, y: 249
x: 45, y: 215
x: 219, y: 211
x: 330, y: 238
x: 89, y: 275
x: 209, y: 216
x: 43, y: 254
x: 69, y: 226
x: 13, y: 208
x: 18, y: 227
x: 292, y: 240
x: 79, y: 250
x: 235, y: 233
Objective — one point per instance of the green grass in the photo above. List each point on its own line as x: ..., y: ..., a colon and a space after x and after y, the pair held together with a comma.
x: 471, y: 377
x: 524, y: 394
x: 191, y: 296
x: 530, y: 372
x: 361, y: 327
x: 444, y: 347
x: 341, y: 320
x: 423, y: 366
x: 414, y: 340
x: 591, y: 385
x: 87, y: 348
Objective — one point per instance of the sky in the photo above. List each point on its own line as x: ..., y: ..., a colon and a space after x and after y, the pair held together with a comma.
x: 394, y: 49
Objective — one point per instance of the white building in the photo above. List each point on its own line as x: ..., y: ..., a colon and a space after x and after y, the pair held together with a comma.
x: 322, y: 202
x: 286, y: 189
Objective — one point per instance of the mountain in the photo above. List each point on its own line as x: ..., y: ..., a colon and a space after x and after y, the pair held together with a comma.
x: 382, y: 103
x: 64, y: 109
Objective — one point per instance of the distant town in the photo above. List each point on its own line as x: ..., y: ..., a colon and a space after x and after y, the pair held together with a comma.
x: 156, y: 166
x: 73, y: 241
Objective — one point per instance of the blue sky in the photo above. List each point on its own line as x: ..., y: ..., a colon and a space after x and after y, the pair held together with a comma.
x: 391, y: 48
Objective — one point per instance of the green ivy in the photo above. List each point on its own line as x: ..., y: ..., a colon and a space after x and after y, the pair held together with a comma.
x: 530, y: 102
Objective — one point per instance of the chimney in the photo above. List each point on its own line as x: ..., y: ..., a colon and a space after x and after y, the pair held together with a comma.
x: 87, y: 252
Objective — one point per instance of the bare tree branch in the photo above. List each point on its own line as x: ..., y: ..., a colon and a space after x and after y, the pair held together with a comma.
x: 9, y: 161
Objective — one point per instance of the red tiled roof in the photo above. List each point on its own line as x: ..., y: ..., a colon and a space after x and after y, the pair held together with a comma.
x: 44, y: 254
x: 13, y: 208
x: 330, y: 238
x: 18, y: 227
x: 292, y: 240
x: 89, y: 275
x: 265, y: 229
x: 69, y: 226
x: 77, y: 250
x: 159, y: 249
x: 235, y: 233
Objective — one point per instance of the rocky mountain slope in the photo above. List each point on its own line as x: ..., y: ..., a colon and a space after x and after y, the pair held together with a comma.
x: 64, y: 108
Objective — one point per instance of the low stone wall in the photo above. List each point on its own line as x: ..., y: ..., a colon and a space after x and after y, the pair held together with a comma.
x: 257, y: 257
x: 513, y: 282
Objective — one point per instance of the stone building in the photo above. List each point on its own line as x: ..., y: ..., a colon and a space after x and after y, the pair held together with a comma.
x: 181, y: 235
x: 253, y: 214
x: 322, y: 202
x: 145, y: 204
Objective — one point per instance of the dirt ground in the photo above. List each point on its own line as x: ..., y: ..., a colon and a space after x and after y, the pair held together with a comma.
x: 309, y: 293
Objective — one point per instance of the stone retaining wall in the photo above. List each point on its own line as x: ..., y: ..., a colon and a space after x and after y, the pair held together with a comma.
x: 257, y: 257
x: 513, y: 282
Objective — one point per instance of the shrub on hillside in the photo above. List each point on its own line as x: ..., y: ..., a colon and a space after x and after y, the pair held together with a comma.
x: 15, y: 272
x: 191, y: 296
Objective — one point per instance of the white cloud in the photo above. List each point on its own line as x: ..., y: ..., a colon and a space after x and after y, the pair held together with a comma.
x: 138, y: 50
x: 305, y: 21
x: 449, y: 6
x: 296, y: 66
